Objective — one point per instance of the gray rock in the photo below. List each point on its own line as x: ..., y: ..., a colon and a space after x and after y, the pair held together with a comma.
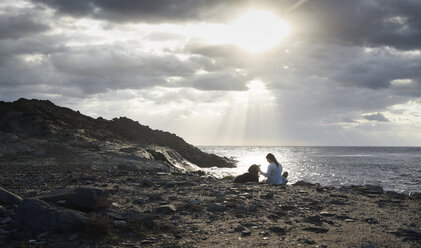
x: 239, y: 229
x: 165, y: 209
x: 36, y: 216
x: 216, y: 207
x: 84, y: 199
x: 277, y: 230
x: 8, y: 198
x: 121, y: 223
x: 246, y: 233
x: 367, y: 246
x: 372, y: 221
x: 316, y: 230
x: 146, y: 183
x: 156, y: 197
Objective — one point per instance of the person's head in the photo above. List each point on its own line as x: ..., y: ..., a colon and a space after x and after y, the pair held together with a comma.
x: 271, y: 159
x: 254, y: 169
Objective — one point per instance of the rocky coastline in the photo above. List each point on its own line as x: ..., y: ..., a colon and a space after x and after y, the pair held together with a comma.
x: 68, y: 180
x: 84, y: 207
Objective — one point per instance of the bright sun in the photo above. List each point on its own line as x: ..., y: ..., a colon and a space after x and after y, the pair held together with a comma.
x: 258, y: 30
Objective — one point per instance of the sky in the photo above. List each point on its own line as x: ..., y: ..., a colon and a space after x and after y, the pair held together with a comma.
x: 267, y: 72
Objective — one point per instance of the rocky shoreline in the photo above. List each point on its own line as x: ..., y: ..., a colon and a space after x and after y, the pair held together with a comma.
x: 83, y: 207
x: 68, y: 180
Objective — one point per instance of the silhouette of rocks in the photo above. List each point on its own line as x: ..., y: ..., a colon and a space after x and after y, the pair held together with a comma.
x: 28, y: 122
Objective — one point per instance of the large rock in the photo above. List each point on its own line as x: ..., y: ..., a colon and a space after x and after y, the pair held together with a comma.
x: 84, y: 199
x: 36, y: 216
x: 8, y: 198
x: 368, y: 189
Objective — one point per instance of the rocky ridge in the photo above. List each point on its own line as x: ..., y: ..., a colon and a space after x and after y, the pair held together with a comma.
x: 44, y: 133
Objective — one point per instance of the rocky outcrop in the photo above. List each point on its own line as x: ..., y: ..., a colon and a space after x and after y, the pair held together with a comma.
x: 36, y: 216
x: 28, y: 125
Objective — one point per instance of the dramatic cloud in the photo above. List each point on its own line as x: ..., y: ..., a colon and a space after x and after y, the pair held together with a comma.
x: 376, y: 117
x: 348, y: 73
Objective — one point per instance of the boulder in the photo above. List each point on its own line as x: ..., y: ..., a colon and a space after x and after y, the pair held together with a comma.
x: 8, y: 198
x: 36, y: 216
x: 86, y: 199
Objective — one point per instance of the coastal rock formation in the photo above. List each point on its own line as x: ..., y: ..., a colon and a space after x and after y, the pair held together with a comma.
x: 40, y: 129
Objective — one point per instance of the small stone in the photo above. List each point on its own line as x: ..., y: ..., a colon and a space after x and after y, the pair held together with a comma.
x: 120, y: 223
x: 268, y: 195
x: 316, y: 230
x: 367, y: 246
x: 277, y: 230
x: 239, y: 229
x: 194, y: 202
x: 372, y: 221
x: 327, y: 214
x: 246, y: 233
x: 155, y: 197
x: 349, y: 220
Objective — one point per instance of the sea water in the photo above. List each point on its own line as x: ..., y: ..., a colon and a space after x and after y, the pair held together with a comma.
x: 394, y: 168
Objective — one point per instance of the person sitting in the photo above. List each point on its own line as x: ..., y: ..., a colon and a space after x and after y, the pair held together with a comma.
x: 274, y: 172
x: 251, y: 176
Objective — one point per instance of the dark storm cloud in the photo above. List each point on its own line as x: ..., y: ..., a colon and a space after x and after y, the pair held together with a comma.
x: 143, y: 10
x: 376, y: 117
x: 364, y: 23
x: 359, y: 22
x: 17, y: 26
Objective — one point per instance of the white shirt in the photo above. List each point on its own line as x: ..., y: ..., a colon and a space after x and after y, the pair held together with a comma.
x: 274, y: 174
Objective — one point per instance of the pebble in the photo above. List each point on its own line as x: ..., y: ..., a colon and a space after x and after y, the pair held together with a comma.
x: 239, y: 229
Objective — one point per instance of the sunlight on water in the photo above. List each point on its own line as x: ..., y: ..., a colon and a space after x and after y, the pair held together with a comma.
x: 393, y: 168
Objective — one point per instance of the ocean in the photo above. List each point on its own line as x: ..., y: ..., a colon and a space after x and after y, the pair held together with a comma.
x: 394, y: 168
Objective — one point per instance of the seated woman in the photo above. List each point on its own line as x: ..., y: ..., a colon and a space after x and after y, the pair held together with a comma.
x: 251, y: 176
x: 274, y: 172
